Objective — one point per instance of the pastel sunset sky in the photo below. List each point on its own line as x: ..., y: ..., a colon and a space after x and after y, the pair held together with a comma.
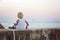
x: 42, y: 9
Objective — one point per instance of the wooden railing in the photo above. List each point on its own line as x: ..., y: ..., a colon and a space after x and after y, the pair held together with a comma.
x: 38, y: 34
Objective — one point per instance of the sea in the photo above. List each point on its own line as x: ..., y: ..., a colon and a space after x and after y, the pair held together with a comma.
x: 33, y: 23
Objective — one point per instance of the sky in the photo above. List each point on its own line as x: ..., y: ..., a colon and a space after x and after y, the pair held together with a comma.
x: 41, y: 9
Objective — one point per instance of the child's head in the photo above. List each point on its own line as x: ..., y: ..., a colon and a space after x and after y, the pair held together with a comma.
x: 20, y: 15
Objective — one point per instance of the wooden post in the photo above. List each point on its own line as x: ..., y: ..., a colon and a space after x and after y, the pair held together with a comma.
x: 4, y: 37
x: 13, y: 35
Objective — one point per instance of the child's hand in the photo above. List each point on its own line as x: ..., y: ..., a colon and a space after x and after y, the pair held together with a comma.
x: 27, y: 26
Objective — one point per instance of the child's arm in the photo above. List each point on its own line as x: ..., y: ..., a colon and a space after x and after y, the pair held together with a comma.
x: 14, y: 25
x: 16, y: 22
x: 26, y: 24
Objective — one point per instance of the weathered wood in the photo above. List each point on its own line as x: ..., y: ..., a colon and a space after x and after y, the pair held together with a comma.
x: 48, y: 34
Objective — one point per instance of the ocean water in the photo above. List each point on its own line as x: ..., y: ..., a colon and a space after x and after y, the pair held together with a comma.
x: 33, y: 24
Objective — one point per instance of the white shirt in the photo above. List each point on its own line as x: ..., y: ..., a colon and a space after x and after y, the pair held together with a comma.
x: 21, y: 24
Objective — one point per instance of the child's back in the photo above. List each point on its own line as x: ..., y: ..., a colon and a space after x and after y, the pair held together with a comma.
x: 21, y: 24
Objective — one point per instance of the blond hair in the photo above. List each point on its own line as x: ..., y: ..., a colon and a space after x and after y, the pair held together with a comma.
x: 20, y: 15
